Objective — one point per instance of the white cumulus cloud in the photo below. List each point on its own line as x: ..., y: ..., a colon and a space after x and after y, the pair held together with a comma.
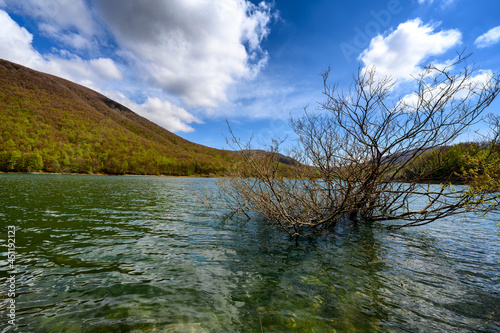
x: 489, y: 38
x: 160, y: 111
x: 107, y: 68
x: 195, y: 49
x: 167, y: 114
x: 15, y: 43
x: 401, y: 53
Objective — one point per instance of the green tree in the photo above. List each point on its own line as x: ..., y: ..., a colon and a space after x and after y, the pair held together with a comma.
x: 14, y: 161
x: 4, y: 160
x: 10, y: 144
x: 33, y: 162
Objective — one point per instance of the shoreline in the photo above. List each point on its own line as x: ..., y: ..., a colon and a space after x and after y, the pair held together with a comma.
x: 106, y: 174
x: 430, y: 181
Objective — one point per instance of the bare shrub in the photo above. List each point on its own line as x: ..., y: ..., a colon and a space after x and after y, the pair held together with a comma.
x: 353, y: 153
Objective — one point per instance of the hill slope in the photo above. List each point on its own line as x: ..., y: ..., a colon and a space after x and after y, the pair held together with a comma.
x: 53, y: 125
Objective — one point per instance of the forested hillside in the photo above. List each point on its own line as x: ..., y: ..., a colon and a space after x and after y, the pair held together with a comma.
x: 472, y: 163
x: 53, y: 125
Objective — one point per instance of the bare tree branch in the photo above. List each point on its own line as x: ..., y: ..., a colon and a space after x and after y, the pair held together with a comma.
x: 352, y: 155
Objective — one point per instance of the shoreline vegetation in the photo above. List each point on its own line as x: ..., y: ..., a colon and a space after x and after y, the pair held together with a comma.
x: 458, y: 164
x: 100, y: 174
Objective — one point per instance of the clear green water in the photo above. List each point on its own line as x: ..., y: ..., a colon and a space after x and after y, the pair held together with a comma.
x: 138, y: 254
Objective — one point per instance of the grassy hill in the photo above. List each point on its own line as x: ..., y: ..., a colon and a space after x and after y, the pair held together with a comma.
x: 53, y: 125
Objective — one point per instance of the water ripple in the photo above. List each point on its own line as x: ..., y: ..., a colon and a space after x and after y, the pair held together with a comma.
x: 138, y: 254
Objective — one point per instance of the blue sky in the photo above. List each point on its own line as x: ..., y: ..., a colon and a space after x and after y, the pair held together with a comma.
x: 190, y: 65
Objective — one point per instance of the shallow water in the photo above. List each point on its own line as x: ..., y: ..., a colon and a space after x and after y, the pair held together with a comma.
x: 138, y: 254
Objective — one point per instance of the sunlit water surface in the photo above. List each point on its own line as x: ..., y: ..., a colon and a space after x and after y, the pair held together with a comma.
x: 139, y: 254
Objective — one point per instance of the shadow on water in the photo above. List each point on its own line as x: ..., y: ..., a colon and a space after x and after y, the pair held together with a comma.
x: 138, y: 254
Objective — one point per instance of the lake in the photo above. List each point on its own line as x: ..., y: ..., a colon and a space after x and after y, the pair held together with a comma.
x: 139, y: 254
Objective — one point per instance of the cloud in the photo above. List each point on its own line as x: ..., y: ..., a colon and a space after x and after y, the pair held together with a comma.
x: 489, y: 38
x: 401, y: 53
x: 73, y: 40
x: 444, y: 3
x: 162, y: 112
x: 16, y: 46
x: 194, y: 49
x: 68, y: 22
x: 56, y: 16
x: 168, y: 115
x: 271, y: 97
x: 107, y: 68
x: 460, y: 89
x: 15, y: 43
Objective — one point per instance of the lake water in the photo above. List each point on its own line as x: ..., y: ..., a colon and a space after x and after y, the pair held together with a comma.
x: 139, y: 254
